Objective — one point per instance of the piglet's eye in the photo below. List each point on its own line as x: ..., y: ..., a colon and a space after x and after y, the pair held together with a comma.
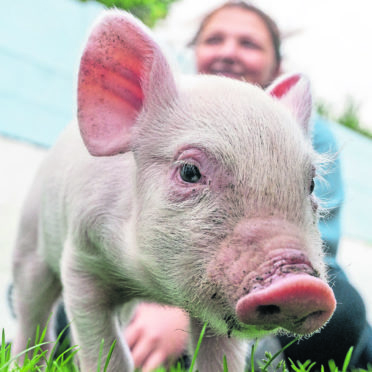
x: 190, y: 173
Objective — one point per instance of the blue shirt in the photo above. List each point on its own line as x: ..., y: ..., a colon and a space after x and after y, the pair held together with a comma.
x: 331, y: 191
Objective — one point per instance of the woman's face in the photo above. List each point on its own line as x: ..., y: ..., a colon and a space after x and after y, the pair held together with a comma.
x: 237, y: 43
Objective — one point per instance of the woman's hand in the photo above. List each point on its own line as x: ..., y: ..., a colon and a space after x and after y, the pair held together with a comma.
x: 157, y: 335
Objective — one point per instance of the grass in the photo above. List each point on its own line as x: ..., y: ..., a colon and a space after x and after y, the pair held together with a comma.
x: 36, y: 359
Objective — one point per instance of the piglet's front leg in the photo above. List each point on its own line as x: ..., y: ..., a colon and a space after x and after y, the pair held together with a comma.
x: 213, y: 348
x: 92, y: 313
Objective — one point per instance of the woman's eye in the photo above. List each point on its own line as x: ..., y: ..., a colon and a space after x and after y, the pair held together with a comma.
x: 190, y: 173
x: 248, y: 44
x: 213, y: 40
x: 312, y: 186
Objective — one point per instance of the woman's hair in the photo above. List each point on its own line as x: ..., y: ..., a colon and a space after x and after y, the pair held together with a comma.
x: 269, y: 22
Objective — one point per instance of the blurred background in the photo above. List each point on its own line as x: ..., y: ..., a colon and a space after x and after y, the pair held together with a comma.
x: 40, y: 46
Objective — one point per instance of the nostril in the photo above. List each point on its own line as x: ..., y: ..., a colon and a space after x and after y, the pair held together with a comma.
x: 268, y: 309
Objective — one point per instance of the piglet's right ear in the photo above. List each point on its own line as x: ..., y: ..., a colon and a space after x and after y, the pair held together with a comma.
x: 121, y: 69
x: 293, y: 91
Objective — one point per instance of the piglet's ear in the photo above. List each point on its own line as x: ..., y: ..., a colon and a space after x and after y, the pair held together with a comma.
x: 294, y: 92
x: 121, y: 69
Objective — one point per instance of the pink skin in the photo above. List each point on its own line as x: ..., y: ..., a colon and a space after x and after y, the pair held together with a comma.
x: 110, y: 229
x: 207, y: 167
x: 149, y: 348
x: 272, y: 283
x: 281, y: 89
x: 126, y: 97
x: 236, y: 43
x: 298, y: 303
x: 110, y: 95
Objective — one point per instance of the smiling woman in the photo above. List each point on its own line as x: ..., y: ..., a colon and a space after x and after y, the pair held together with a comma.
x: 237, y: 44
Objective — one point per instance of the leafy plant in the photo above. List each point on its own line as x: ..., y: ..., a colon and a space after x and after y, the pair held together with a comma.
x: 349, y: 116
x: 281, y: 366
x: 149, y: 11
x: 302, y: 367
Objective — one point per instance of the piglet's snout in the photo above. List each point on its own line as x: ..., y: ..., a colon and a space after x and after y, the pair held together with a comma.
x: 300, y: 304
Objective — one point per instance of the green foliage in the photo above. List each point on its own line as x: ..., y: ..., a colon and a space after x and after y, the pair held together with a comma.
x: 332, y: 367
x: 349, y: 117
x: 149, y: 11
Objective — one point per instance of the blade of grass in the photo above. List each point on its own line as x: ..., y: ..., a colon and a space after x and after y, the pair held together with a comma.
x: 278, y: 353
x: 52, y: 354
x: 311, y: 365
x: 35, y: 350
x: 2, y: 354
x: 253, y: 350
x: 109, y: 356
x: 302, y: 367
x: 225, y: 368
x: 70, y: 352
x: 100, y: 355
x: 198, y: 347
x: 332, y: 366
x: 347, y: 359
x: 5, y: 349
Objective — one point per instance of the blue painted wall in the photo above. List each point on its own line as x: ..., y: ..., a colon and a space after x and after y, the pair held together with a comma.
x: 40, y: 45
x: 40, y: 42
x: 356, y: 161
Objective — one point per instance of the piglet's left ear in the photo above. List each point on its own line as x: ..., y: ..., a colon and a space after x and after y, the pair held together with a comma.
x: 294, y: 92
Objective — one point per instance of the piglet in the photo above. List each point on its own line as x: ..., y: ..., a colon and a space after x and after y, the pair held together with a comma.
x: 194, y: 192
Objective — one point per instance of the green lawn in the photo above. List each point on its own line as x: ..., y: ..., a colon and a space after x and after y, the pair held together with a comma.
x: 36, y: 360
